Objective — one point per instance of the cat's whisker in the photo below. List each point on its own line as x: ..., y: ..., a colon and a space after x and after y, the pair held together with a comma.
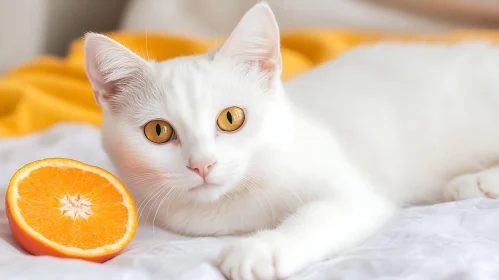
x: 266, y: 198
x: 141, y: 174
x: 154, y: 183
x: 195, y: 204
x: 161, y: 189
x: 291, y: 191
x: 179, y: 194
x: 252, y: 194
x: 140, y: 181
x: 149, y: 183
x: 163, y: 195
x: 156, y: 190
x: 152, y: 189
x: 283, y: 197
x: 138, y: 178
x: 164, y: 175
x: 260, y: 182
x: 168, y: 185
x: 174, y: 191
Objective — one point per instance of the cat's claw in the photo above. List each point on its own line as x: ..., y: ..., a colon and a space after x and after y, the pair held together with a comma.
x: 248, y: 259
x: 483, y: 184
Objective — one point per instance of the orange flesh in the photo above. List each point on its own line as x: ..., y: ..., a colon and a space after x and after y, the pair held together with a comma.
x: 101, y: 219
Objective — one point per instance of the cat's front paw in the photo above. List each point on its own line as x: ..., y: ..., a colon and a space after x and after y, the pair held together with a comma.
x: 482, y: 184
x: 248, y: 259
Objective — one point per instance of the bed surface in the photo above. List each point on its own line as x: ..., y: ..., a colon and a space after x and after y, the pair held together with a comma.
x: 449, y: 241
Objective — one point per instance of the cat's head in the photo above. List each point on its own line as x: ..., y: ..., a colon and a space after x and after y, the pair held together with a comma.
x: 190, y: 125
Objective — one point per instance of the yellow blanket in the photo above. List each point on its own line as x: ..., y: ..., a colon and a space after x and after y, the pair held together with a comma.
x: 50, y: 89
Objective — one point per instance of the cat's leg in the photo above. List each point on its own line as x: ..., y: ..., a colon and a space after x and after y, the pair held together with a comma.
x: 317, y: 231
x: 481, y: 184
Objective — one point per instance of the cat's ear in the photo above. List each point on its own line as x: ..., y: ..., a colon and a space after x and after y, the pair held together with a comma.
x: 255, y: 41
x: 110, y: 67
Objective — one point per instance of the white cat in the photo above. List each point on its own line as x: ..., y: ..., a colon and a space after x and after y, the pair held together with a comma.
x: 219, y: 147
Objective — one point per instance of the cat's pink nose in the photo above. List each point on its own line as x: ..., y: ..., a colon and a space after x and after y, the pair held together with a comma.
x: 202, y: 168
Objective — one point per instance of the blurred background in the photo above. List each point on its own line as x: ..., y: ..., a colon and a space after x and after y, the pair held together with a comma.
x: 29, y: 28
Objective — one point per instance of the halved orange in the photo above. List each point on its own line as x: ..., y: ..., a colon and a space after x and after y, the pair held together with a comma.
x: 65, y: 208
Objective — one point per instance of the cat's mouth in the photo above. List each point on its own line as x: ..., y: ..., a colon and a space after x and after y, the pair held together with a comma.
x: 204, y: 186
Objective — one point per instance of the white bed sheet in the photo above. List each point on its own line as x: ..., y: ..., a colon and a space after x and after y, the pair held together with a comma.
x: 448, y: 241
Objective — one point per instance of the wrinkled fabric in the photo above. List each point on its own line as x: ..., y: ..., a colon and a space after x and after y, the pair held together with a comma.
x: 50, y: 90
x: 451, y: 241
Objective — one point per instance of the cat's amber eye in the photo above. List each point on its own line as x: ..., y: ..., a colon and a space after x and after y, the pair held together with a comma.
x: 231, y: 119
x: 158, y: 131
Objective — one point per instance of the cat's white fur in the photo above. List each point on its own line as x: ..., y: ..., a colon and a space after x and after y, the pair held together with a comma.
x: 321, y: 162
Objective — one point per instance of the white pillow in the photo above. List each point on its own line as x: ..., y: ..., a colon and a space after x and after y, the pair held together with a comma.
x: 216, y: 18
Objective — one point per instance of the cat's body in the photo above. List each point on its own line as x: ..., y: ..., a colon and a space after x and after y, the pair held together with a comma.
x: 411, y: 117
x: 314, y: 169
